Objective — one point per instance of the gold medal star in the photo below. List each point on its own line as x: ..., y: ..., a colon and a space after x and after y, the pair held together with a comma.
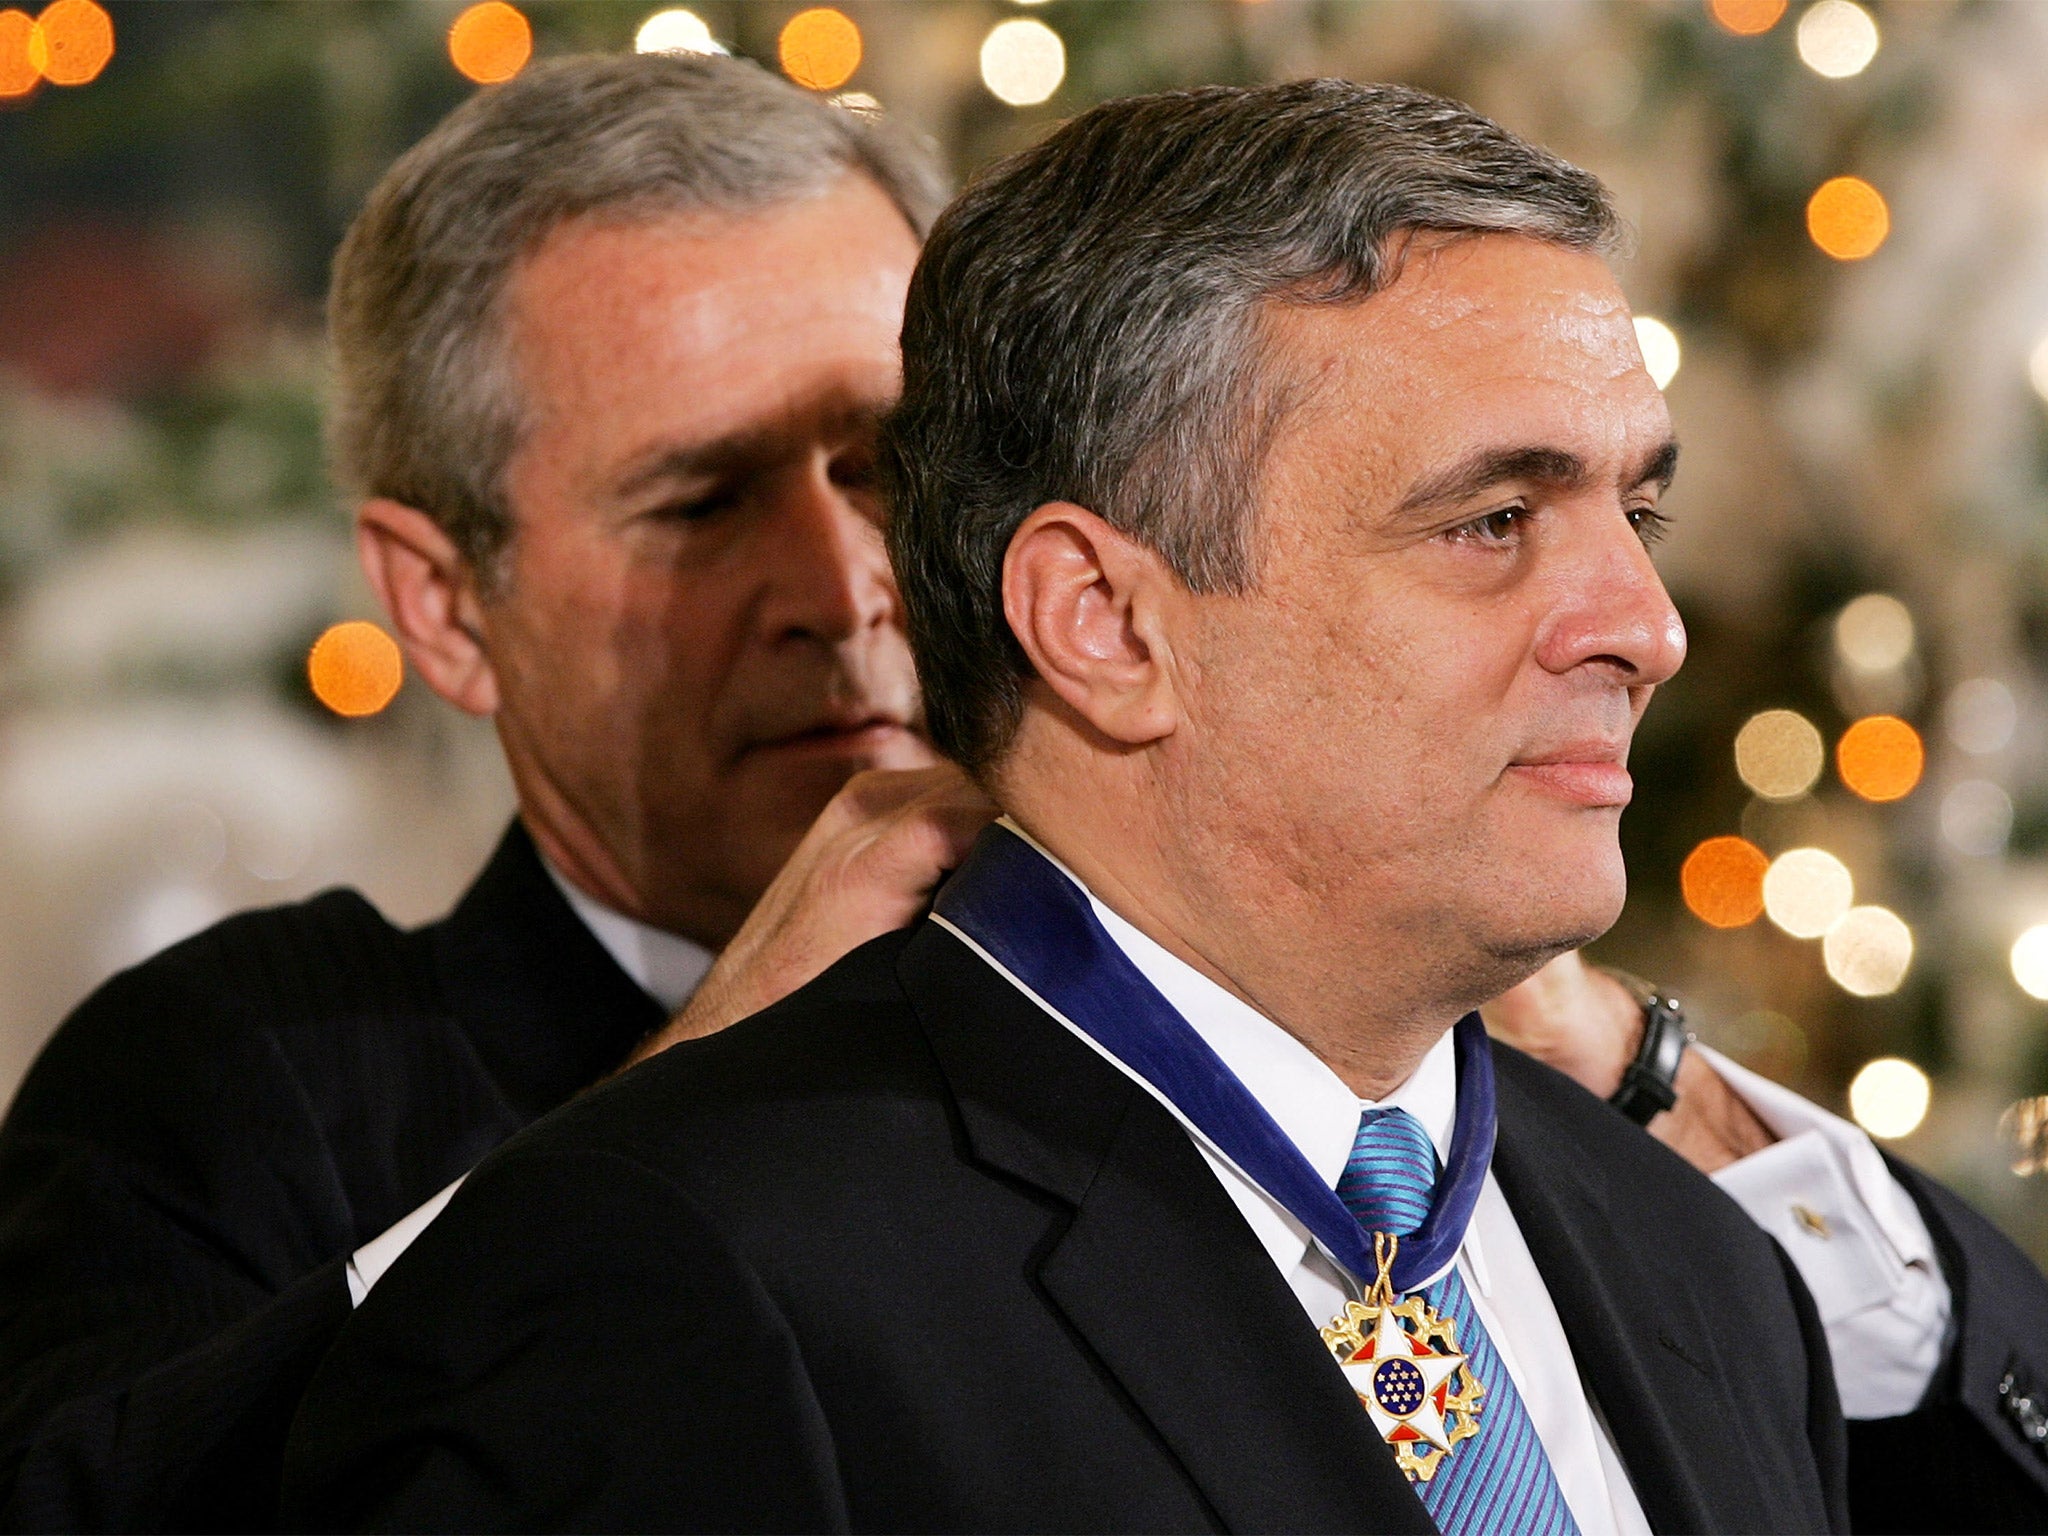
x: 1396, y: 1376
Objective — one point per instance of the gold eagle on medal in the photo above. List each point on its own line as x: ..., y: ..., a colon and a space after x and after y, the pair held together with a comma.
x: 1402, y: 1359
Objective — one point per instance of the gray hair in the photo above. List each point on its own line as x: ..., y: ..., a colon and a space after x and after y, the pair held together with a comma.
x: 427, y: 409
x: 1083, y: 326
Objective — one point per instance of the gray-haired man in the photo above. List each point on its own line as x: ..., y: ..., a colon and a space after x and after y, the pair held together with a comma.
x: 1273, y: 487
x: 611, y: 345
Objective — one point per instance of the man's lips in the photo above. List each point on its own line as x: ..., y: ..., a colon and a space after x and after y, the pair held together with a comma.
x: 1585, y: 773
x: 835, y: 736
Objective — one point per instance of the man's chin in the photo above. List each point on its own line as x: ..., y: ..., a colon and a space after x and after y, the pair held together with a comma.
x: 1568, y: 905
x: 1527, y: 953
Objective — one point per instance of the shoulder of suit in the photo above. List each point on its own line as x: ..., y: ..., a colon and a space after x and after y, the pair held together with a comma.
x: 1647, y: 1183
x: 836, y: 1053
x: 1607, y: 1136
x: 226, y: 1001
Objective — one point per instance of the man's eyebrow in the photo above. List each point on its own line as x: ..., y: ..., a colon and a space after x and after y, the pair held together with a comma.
x: 1479, y: 472
x: 1659, y: 468
x: 743, y: 449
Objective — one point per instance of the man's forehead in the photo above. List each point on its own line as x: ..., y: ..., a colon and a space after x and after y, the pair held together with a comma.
x: 712, y: 278
x: 1472, y: 294
x: 1491, y: 344
x: 656, y: 333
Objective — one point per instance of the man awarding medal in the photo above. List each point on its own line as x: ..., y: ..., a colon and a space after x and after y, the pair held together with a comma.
x: 1273, y: 492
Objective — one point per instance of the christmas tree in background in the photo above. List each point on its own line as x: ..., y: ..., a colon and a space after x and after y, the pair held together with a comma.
x: 1839, y: 846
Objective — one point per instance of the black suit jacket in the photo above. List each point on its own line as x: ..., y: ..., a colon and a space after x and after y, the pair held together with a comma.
x: 902, y: 1254
x: 206, y: 1139
x: 1974, y: 1455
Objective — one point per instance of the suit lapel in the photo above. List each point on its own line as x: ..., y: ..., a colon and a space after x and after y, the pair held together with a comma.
x: 544, y: 1004
x: 1638, y: 1342
x: 1157, y: 1271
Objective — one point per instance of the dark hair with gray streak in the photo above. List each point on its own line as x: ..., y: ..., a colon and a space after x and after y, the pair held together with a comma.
x: 1083, y: 327
x: 427, y: 410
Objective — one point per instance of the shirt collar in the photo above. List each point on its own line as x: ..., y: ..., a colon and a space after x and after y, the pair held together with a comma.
x: 1308, y: 1101
x: 666, y: 966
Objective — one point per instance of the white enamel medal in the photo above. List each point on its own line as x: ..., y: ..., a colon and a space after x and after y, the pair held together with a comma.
x: 1403, y: 1361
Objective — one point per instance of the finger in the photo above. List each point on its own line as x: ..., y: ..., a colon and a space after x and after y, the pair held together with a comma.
x: 956, y: 811
x: 923, y: 842
x: 876, y: 793
x: 860, y: 808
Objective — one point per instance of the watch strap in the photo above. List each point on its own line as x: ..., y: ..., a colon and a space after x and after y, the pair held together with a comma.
x: 1649, y: 1084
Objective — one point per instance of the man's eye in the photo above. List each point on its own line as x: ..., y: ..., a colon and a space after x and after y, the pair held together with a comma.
x: 855, y: 470
x: 1494, y: 528
x: 1650, y: 524
x: 696, y: 509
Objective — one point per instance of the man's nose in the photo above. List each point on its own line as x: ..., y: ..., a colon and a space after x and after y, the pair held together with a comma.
x: 829, y: 576
x: 1610, y: 610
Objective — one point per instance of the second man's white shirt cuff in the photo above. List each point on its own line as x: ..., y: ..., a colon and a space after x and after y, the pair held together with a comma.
x: 1863, y: 1249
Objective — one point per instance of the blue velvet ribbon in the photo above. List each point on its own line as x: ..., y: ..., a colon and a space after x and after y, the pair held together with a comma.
x: 1038, y: 925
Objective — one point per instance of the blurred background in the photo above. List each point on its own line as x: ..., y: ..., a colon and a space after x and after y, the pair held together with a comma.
x: 1839, y: 845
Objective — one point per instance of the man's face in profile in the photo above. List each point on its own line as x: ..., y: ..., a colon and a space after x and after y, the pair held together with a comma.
x: 697, y: 638
x: 1429, y: 695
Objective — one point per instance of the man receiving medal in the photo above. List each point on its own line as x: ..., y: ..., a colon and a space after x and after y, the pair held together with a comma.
x: 1273, y: 492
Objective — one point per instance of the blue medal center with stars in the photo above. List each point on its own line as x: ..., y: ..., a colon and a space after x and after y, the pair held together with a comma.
x: 1397, y: 1387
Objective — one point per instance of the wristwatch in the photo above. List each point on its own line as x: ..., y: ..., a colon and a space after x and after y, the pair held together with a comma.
x: 1649, y: 1084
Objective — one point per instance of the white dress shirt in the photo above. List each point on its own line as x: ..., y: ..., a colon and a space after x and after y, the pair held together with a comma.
x: 666, y: 967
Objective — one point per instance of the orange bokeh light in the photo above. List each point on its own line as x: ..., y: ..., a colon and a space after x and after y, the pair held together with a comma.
x: 1880, y: 758
x: 1746, y: 18
x: 72, y: 42
x: 820, y: 48
x: 1723, y: 881
x: 490, y: 42
x: 1848, y: 218
x: 355, y: 668
x: 18, y: 71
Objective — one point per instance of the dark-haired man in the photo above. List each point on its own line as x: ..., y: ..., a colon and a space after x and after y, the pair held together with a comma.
x: 1273, y: 487
x: 610, y: 348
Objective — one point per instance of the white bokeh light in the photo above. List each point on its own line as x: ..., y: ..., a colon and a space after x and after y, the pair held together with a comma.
x: 1981, y: 715
x: 1660, y: 349
x: 675, y: 31
x: 1868, y: 952
x: 1976, y: 818
x: 1806, y: 891
x: 1023, y: 62
x: 1889, y: 1097
x: 1874, y: 633
x: 2029, y: 960
x: 1837, y: 38
x: 189, y: 840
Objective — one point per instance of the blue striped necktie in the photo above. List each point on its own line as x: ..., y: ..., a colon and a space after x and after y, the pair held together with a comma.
x: 1500, y: 1479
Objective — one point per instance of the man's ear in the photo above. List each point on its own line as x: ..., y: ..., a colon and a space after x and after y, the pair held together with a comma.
x: 1088, y: 605
x: 429, y: 591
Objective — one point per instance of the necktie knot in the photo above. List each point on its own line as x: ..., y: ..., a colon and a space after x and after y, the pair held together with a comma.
x: 1390, y: 1177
